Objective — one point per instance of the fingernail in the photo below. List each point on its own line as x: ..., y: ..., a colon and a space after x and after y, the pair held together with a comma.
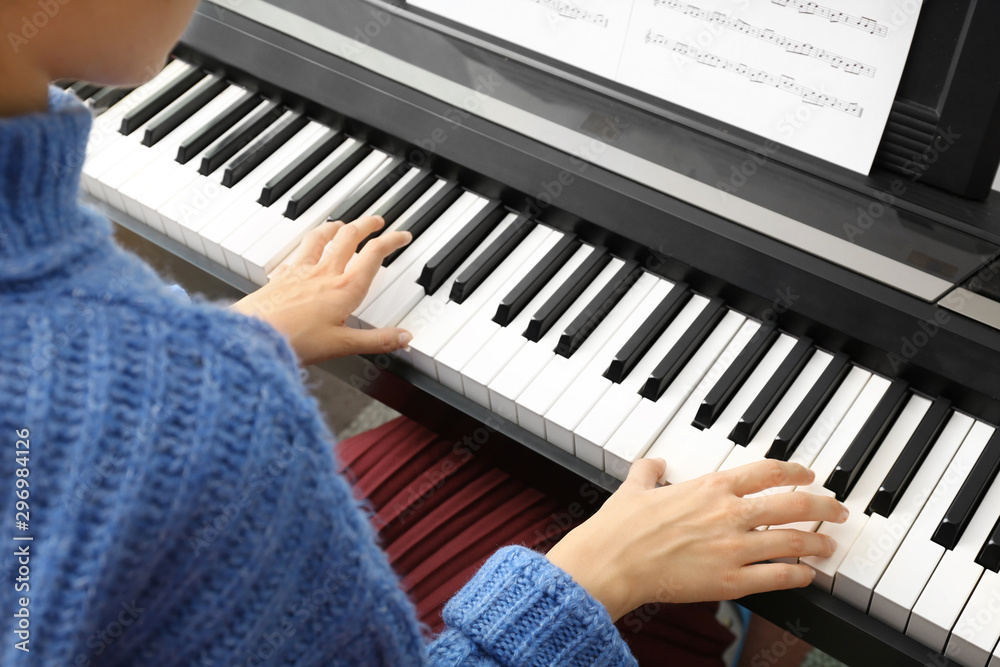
x: 846, y: 514
x: 405, y: 338
x: 409, y: 236
x: 812, y: 475
x: 812, y: 574
x: 833, y: 544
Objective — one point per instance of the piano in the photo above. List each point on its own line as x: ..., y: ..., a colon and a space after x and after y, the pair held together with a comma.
x: 597, y: 276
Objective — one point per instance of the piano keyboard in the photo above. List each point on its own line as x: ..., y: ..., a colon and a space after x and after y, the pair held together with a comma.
x: 589, y: 351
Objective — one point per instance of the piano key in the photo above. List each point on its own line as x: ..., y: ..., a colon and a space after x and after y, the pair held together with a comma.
x: 718, y: 398
x: 845, y: 534
x: 161, y: 98
x: 756, y: 449
x: 909, y: 460
x: 918, y: 555
x: 233, y: 141
x: 348, y: 156
x: 484, y: 367
x: 574, y: 404
x: 763, y: 405
x: 429, y: 211
x: 989, y: 554
x: 567, y: 294
x: 484, y: 265
x: 975, y: 634
x: 84, y: 90
x: 534, y: 355
x: 561, y: 372
x: 225, y: 121
x: 186, y: 106
x: 591, y: 317
x: 812, y: 405
x: 853, y: 463
x: 614, y: 407
x: 879, y: 540
x: 282, y: 182
x: 647, y: 420
x: 436, y: 320
x: 666, y: 371
x: 459, y: 247
x: 953, y: 581
x: 640, y: 343
x: 248, y: 159
x: 106, y: 98
x: 398, y: 199
x: 512, y: 305
x: 707, y: 449
x: 371, y: 191
x: 960, y: 513
x: 283, y: 238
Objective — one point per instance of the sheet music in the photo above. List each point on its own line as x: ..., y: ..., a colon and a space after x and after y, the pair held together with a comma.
x: 819, y: 77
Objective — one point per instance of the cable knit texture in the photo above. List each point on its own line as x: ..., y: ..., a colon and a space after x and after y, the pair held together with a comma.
x: 184, y: 501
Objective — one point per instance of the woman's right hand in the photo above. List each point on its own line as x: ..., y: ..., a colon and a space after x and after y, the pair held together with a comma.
x: 697, y: 540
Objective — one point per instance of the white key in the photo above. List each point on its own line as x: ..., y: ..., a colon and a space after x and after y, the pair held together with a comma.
x: 450, y: 324
x: 275, y: 245
x: 611, y: 411
x: 573, y: 405
x: 393, y: 305
x: 861, y: 495
x: 646, y: 422
x: 975, y: 634
x: 407, y: 178
x: 756, y: 449
x: 709, y: 448
x: 533, y: 356
x: 562, y: 372
x: 879, y: 540
x: 954, y: 579
x: 494, y: 356
x: 917, y: 556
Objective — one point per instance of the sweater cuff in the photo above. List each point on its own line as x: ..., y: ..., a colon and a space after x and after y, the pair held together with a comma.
x: 522, y: 609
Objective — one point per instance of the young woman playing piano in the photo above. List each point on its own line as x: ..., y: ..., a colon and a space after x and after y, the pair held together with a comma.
x: 185, y: 503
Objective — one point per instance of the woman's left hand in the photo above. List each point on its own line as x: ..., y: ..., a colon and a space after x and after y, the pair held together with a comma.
x: 310, y: 296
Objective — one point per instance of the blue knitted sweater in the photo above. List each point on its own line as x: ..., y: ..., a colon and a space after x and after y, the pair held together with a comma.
x: 178, y: 484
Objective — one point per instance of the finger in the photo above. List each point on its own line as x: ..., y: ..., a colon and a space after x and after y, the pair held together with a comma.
x: 370, y: 341
x: 644, y: 473
x: 763, y: 577
x: 343, y: 246
x: 756, y: 477
x: 786, y: 543
x: 311, y: 248
x: 781, y: 508
x: 366, y: 264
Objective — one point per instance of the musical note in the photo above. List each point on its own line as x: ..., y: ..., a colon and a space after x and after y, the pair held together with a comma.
x: 860, y: 22
x: 571, y: 11
x: 781, y: 82
x: 768, y: 35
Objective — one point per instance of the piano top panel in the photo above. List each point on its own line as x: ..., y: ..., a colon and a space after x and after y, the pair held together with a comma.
x: 739, y: 178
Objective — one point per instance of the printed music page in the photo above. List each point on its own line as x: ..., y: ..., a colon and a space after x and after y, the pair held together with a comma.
x: 588, y: 34
x: 819, y: 77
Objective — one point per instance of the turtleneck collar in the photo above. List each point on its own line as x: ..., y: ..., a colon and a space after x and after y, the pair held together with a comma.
x: 42, y: 225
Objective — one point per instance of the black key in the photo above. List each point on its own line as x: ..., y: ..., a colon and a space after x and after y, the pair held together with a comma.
x: 795, y: 429
x: 959, y: 514
x: 460, y: 246
x: 764, y: 403
x: 989, y: 555
x: 253, y: 155
x: 909, y: 460
x: 159, y: 101
x: 666, y: 371
x: 369, y: 192
x: 643, y: 339
x: 204, y: 137
x: 107, y: 98
x: 296, y: 170
x: 490, y: 258
x: 566, y: 295
x: 84, y: 90
x: 594, y: 313
x: 427, y: 214
x: 328, y: 177
x: 718, y: 398
x: 867, y: 441
x: 180, y: 111
x: 400, y: 202
x: 537, y: 278
x: 233, y: 142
